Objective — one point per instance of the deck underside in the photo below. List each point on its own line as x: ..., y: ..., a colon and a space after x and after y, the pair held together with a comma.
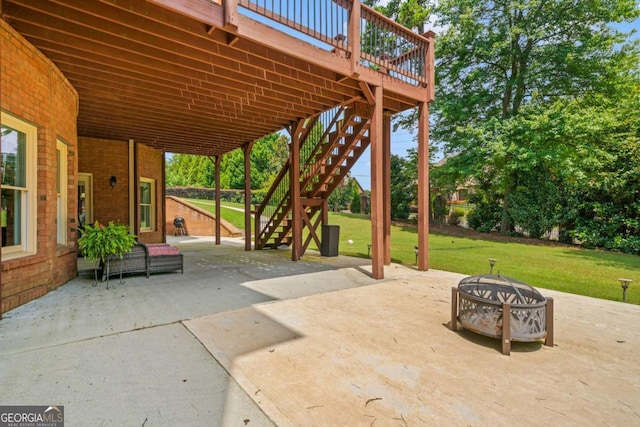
x: 166, y: 78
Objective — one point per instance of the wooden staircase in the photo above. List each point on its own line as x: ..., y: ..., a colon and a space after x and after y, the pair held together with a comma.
x: 330, y: 144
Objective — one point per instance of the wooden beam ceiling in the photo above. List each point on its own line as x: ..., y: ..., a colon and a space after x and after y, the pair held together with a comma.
x: 146, y: 73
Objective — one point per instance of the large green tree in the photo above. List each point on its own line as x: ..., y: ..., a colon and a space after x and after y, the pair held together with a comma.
x: 403, y: 186
x: 501, y: 60
x: 267, y: 157
x: 536, y: 102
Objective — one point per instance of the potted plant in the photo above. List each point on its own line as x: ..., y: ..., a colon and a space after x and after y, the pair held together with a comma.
x: 99, y: 242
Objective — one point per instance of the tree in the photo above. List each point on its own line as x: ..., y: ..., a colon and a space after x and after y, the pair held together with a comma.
x: 340, y: 198
x: 498, y: 58
x: 267, y: 157
x: 185, y: 170
x: 603, y: 207
x: 499, y: 64
x: 403, y: 187
x: 410, y: 13
x: 356, y: 203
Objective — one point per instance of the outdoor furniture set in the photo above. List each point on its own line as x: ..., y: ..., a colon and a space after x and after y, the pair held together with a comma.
x: 143, y: 259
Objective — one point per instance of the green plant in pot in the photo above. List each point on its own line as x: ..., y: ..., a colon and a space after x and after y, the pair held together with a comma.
x: 99, y: 242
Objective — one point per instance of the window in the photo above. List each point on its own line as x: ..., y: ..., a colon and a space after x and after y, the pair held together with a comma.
x: 61, y: 190
x: 147, y: 204
x: 18, y: 173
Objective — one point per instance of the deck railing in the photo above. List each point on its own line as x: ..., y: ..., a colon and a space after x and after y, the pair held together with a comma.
x: 391, y: 48
x: 323, y: 20
x: 379, y: 42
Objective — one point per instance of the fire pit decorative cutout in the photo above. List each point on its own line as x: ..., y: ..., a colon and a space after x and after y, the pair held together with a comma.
x: 479, y: 304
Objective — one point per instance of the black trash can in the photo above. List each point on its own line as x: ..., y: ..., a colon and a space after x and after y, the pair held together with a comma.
x: 330, y: 239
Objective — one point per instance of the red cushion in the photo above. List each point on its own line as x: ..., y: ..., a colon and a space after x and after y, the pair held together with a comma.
x: 162, y: 249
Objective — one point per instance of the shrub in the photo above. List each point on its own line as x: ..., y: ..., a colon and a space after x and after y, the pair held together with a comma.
x: 484, y: 216
x: 455, y: 217
x: 99, y: 242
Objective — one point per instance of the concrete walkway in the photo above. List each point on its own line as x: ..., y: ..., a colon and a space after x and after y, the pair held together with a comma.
x: 255, y: 339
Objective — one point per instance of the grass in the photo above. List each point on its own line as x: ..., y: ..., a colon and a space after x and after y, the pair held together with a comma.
x: 568, y: 269
x: 228, y: 211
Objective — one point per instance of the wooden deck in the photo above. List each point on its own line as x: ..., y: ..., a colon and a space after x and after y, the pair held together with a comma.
x: 209, y: 76
x: 202, y: 77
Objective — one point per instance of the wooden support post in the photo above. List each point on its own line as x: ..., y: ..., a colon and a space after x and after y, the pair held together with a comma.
x: 217, y: 160
x: 163, y: 204
x: 294, y: 191
x: 134, y: 189
x: 430, y: 66
x: 454, y: 309
x: 377, y: 192
x: 506, y: 328
x: 549, y: 322
x: 423, y: 186
x: 353, y: 36
x: 231, y: 15
x: 386, y: 185
x: 325, y: 211
x: 246, y: 148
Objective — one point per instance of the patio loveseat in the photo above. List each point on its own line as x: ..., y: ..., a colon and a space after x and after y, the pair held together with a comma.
x: 145, y: 259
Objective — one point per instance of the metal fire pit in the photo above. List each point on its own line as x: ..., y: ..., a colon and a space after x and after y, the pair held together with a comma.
x: 479, y: 304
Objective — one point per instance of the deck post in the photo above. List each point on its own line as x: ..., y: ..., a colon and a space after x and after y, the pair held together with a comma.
x: 134, y: 187
x: 423, y: 186
x: 216, y: 163
x: 430, y: 66
x: 353, y: 36
x: 246, y: 149
x: 231, y: 15
x: 163, y: 203
x: 294, y: 190
x: 386, y: 185
x: 377, y: 187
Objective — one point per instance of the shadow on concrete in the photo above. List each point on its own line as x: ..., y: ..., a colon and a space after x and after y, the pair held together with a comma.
x: 125, y: 348
x: 493, y: 343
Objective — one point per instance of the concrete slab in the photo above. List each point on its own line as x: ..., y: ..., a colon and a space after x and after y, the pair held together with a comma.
x: 383, y: 355
x: 156, y: 376
x: 316, y: 342
x: 119, y: 356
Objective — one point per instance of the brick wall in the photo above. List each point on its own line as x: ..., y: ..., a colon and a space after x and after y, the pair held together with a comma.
x: 106, y: 158
x: 198, y: 222
x: 34, y: 90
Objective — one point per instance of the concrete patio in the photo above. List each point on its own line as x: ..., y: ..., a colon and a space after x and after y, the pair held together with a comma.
x: 255, y: 339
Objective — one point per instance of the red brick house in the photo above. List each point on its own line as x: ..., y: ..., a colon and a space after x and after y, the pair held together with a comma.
x: 94, y: 93
x: 50, y: 176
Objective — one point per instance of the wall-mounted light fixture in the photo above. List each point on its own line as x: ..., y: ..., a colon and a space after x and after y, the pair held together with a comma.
x: 113, y: 181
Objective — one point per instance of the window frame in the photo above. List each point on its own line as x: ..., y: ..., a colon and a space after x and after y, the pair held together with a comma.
x: 62, y: 178
x: 29, y: 214
x: 151, y: 205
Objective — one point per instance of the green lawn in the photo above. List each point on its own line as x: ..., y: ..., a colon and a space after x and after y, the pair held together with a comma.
x: 228, y: 211
x: 568, y: 269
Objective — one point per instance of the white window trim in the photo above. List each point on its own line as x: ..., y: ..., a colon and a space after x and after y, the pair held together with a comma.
x: 152, y: 212
x: 30, y: 220
x: 61, y: 201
